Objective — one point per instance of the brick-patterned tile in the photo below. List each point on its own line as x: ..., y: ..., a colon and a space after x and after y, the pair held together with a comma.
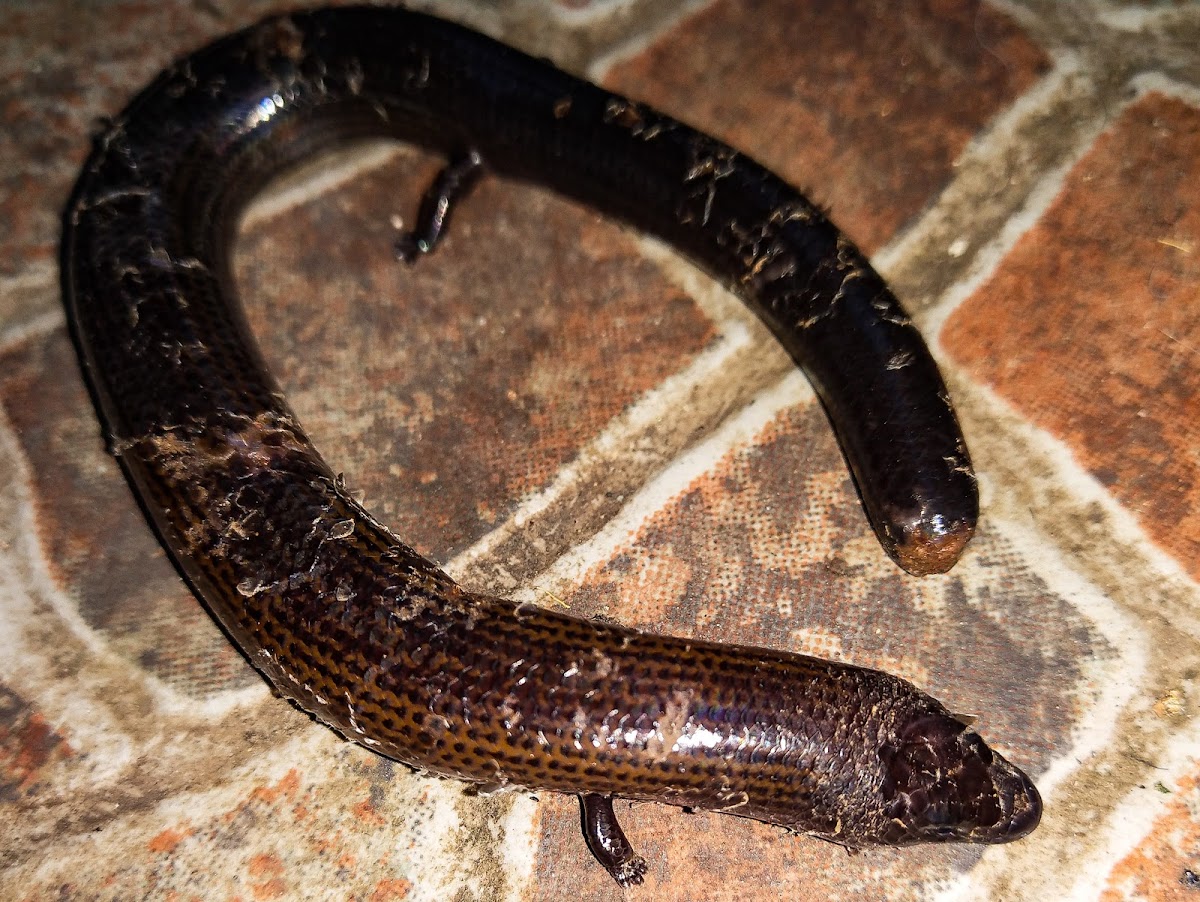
x: 1090, y: 325
x: 72, y: 64
x: 29, y: 749
x: 94, y: 540
x: 1166, y: 864
x: 340, y: 824
x: 770, y: 547
x: 865, y: 104
x: 451, y: 389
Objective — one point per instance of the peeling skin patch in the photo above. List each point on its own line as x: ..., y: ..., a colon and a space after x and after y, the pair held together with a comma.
x: 605, y: 666
x: 733, y: 800
x: 510, y: 712
x: 226, y: 470
x: 258, y: 444
x: 160, y: 257
x: 638, y: 119
x: 672, y: 725
x: 342, y: 529
x: 709, y: 166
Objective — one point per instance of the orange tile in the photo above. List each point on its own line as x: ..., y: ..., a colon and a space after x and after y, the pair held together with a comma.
x: 1090, y: 327
x: 29, y: 749
x: 450, y: 389
x: 59, y: 71
x: 865, y: 105
x: 1165, y: 864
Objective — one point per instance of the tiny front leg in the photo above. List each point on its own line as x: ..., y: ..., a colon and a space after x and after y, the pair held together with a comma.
x: 607, y: 840
x: 452, y: 184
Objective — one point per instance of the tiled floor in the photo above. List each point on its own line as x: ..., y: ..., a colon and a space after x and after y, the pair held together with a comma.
x: 559, y: 410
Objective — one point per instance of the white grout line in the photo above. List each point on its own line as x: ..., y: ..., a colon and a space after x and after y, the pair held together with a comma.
x: 718, y: 303
x: 1083, y: 486
x: 643, y: 39
x: 987, y: 261
x: 342, y: 167
x: 1133, y: 20
x: 737, y: 431
x: 993, y: 142
x: 1027, y: 19
x: 35, y: 327
x: 1039, y: 200
x: 25, y: 669
x: 26, y: 580
x: 1092, y: 735
x: 1118, y: 627
x: 591, y: 13
x: 621, y: 433
x: 519, y: 845
x: 35, y: 275
x: 1131, y: 821
x: 1086, y: 489
x: 1158, y: 83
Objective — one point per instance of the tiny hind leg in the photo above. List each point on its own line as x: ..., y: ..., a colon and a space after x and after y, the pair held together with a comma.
x: 450, y: 186
x: 607, y: 840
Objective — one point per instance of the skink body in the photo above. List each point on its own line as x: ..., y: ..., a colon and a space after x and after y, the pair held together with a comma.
x: 374, y: 640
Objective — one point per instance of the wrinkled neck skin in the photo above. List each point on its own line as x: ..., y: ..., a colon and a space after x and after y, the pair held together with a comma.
x: 898, y: 771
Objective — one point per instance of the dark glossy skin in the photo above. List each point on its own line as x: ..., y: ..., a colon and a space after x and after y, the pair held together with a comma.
x: 374, y: 640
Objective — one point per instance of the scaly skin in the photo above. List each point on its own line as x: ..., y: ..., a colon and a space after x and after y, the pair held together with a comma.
x: 371, y: 638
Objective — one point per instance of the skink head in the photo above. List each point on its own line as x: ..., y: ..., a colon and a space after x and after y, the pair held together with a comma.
x: 943, y: 784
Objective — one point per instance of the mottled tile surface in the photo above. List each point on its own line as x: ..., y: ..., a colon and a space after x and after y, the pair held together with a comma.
x: 1162, y: 866
x: 866, y: 107
x: 528, y: 332
x: 1091, y: 326
x: 93, y: 534
x: 553, y: 407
